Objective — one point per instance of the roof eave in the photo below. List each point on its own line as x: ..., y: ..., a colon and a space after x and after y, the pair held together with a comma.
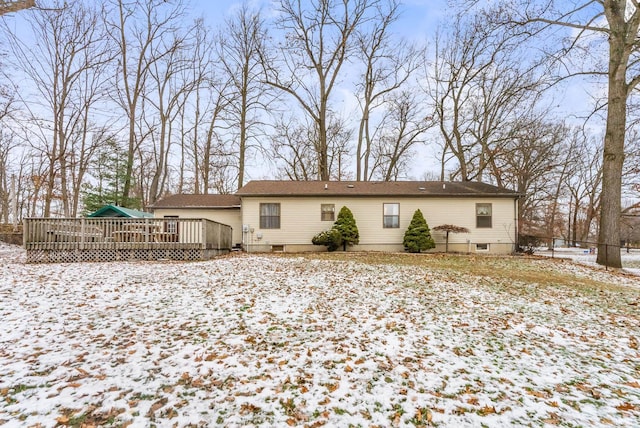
x: 195, y: 207
x: 378, y: 195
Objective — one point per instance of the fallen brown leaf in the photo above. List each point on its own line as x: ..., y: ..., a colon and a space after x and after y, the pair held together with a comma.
x: 487, y: 410
x: 157, y: 405
x: 626, y: 407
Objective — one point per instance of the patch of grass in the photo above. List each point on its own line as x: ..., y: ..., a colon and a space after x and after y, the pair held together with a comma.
x: 141, y: 396
x: 509, y: 270
x: 288, y: 406
x: 422, y: 417
x: 89, y: 418
x: 21, y: 388
x: 571, y: 403
x: 75, y: 421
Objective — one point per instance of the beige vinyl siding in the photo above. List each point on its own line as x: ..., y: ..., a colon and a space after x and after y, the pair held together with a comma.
x: 300, y: 221
x: 228, y: 216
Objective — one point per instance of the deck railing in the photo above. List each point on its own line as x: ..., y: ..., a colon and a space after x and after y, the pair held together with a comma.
x: 125, y: 234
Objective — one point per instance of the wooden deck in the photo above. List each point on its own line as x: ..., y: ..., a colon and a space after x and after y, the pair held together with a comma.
x: 112, y: 239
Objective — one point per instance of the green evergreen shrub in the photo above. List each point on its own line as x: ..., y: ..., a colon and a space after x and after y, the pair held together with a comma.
x: 330, y: 238
x: 418, y: 236
x: 346, y: 225
x: 344, y: 232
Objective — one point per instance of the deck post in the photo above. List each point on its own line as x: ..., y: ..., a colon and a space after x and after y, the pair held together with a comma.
x: 25, y: 233
x: 147, y: 233
x: 82, y: 232
x: 204, y: 234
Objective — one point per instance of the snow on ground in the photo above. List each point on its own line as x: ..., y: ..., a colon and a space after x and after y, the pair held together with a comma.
x: 250, y: 340
x: 630, y: 259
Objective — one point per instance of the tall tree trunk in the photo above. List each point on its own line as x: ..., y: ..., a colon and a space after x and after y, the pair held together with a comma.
x: 323, y: 155
x: 242, y: 149
x: 613, y: 154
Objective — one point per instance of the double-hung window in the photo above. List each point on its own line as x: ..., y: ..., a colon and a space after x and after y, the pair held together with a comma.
x: 270, y: 216
x: 483, y: 215
x: 327, y: 212
x: 390, y: 216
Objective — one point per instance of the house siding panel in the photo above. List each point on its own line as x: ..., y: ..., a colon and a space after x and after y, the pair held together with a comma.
x: 300, y: 221
x: 228, y: 216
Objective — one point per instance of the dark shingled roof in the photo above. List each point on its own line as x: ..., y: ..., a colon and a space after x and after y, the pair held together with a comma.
x: 198, y: 201
x: 373, y: 188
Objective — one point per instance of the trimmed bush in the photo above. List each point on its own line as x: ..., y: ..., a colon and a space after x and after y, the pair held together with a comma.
x: 418, y: 236
x: 330, y: 238
x: 344, y: 232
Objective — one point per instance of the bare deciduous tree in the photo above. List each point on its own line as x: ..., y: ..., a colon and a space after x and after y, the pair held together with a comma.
x: 6, y: 147
x: 319, y: 36
x: 533, y: 163
x: 293, y: 145
x: 239, y: 46
x: 216, y: 158
x: 174, y: 82
x: 388, y: 65
x: 66, y: 67
x: 610, y: 28
x: 202, y: 119
x: 447, y: 229
x: 136, y: 28
x: 480, y: 83
x: 293, y: 151
x: 631, y: 171
x: 401, y: 128
x: 7, y: 144
x: 583, y: 188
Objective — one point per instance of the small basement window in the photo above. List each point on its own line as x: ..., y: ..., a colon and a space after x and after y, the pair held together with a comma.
x: 277, y: 248
x: 482, y: 247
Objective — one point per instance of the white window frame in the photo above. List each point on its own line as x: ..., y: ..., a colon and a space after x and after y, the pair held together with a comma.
x: 391, y: 221
x: 267, y: 221
x: 331, y: 211
x: 484, y: 211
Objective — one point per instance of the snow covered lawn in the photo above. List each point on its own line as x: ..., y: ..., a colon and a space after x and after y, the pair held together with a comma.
x: 336, y: 340
x: 630, y: 259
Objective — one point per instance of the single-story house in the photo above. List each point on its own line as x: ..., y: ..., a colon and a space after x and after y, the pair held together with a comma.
x: 270, y: 215
x: 223, y: 209
x: 116, y: 211
x: 285, y: 215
